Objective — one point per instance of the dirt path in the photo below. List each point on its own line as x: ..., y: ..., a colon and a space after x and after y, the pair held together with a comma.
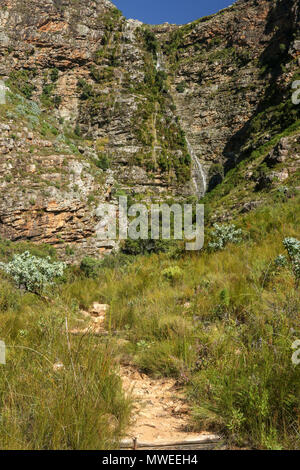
x: 161, y: 413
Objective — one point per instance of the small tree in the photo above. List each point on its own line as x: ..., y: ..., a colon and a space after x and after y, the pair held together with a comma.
x: 32, y: 273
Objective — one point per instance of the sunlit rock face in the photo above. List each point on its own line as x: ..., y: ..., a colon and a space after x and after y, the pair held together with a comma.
x: 99, y: 106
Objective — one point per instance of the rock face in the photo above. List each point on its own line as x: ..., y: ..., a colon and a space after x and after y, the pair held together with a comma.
x: 223, y: 68
x: 100, y: 106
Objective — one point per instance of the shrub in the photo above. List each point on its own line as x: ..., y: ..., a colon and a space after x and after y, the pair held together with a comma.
x: 281, y: 261
x: 22, y: 80
x: 173, y: 274
x: 151, y: 41
x: 181, y: 87
x: 54, y: 75
x: 103, y: 162
x: 111, y: 19
x: 160, y: 80
x: 224, y: 234
x: 143, y: 247
x: 32, y: 273
x: 282, y: 47
x: 85, y: 89
x: 57, y: 100
x: 292, y: 246
x: 90, y: 267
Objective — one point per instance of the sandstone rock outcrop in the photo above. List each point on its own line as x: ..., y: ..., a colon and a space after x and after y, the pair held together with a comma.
x: 100, y: 106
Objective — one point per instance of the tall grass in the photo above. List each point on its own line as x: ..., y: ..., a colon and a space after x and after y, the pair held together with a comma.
x: 224, y: 328
x: 56, y: 391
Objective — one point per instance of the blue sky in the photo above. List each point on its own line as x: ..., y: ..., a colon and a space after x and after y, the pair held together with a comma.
x: 172, y: 11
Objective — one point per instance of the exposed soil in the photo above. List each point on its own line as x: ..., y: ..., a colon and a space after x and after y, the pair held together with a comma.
x: 160, y: 411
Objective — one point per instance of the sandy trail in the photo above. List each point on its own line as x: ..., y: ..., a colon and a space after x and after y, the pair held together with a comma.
x: 160, y: 412
x: 160, y: 409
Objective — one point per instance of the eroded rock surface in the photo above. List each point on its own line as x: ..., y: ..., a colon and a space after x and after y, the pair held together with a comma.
x: 100, y: 106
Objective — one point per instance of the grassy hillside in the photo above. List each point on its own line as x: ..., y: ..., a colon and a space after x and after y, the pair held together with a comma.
x: 127, y: 113
x: 221, y: 322
x: 224, y: 327
x: 56, y: 391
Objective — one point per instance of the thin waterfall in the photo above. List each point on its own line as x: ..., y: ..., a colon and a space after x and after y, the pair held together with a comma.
x: 198, y: 175
x: 159, y: 62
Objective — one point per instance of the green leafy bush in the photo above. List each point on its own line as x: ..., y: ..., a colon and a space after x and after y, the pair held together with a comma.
x: 143, y: 247
x: 181, y: 87
x: 173, y: 274
x: 90, y: 267
x: 54, y: 75
x: 151, y: 41
x: 22, y: 80
x: 32, y: 273
x: 281, y: 261
x: 224, y: 234
x: 103, y: 162
x: 85, y: 89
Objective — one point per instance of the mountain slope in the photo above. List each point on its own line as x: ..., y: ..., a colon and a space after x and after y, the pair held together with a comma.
x: 101, y: 106
x: 93, y: 106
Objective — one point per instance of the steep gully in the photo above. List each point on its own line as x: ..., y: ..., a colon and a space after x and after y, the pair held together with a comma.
x: 198, y: 174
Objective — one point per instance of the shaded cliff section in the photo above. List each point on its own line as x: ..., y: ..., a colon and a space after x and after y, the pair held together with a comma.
x: 231, y: 77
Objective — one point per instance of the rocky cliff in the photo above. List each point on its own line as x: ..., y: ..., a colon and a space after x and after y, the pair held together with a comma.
x: 97, y: 106
x: 228, y: 68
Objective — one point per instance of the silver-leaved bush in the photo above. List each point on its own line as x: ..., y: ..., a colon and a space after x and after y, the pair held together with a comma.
x: 32, y: 273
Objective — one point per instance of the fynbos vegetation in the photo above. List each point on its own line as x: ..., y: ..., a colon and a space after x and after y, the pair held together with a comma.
x: 93, y: 108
